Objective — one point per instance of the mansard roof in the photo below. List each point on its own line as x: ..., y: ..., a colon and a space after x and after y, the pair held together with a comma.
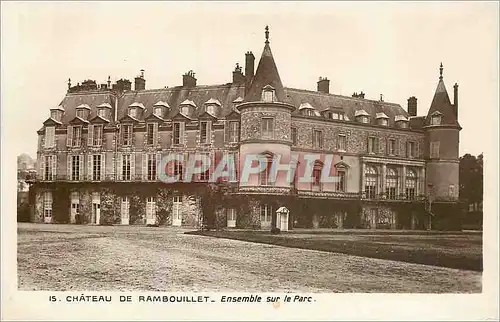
x: 72, y: 100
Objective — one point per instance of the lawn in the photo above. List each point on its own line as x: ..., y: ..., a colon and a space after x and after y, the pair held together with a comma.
x: 132, y: 258
x: 461, y: 250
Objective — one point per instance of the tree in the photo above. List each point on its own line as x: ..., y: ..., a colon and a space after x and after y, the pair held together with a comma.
x: 471, y: 178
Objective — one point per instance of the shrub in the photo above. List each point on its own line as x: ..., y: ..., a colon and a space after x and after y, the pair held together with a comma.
x: 275, y: 230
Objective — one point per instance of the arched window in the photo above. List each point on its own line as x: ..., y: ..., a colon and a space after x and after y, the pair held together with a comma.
x: 391, y: 183
x: 316, y: 176
x: 265, y: 175
x: 411, y: 183
x: 370, y: 182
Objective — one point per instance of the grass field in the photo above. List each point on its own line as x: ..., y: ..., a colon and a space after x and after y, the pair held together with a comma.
x: 462, y: 250
x: 95, y: 258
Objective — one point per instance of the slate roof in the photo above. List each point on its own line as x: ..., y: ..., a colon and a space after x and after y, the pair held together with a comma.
x: 441, y: 103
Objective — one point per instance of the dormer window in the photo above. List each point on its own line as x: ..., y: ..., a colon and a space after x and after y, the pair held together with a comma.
x: 268, y: 93
x: 436, y: 118
x: 211, y: 106
x: 401, y: 121
x: 382, y: 119
x: 307, y: 109
x: 362, y: 116
x: 157, y: 111
x: 132, y: 111
x: 56, y: 114
x: 101, y: 112
x: 185, y: 110
x: 80, y: 113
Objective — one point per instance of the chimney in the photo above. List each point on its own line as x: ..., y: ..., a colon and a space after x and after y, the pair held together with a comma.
x: 412, y: 106
x: 238, y: 77
x: 188, y: 79
x: 455, y: 99
x: 249, y: 66
x: 324, y: 85
x: 140, y: 82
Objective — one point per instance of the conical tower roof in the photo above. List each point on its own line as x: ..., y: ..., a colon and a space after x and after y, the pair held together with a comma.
x: 441, y: 103
x: 266, y: 74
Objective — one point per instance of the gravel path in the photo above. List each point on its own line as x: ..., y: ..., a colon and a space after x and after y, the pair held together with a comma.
x: 85, y: 258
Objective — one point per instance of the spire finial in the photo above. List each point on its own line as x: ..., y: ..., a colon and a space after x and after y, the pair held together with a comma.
x: 267, y: 35
x: 441, y: 71
x: 69, y: 83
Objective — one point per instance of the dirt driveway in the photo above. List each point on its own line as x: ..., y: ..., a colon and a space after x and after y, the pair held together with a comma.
x: 85, y: 258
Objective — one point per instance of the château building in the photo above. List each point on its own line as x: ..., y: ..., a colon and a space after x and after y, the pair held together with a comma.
x: 98, y: 154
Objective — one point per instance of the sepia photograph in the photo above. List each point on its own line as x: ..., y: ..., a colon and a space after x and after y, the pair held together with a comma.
x: 250, y: 148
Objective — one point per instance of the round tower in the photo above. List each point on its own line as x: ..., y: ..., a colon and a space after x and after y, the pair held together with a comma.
x: 442, y: 158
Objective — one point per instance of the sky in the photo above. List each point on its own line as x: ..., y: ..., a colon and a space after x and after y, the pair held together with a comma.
x: 389, y: 48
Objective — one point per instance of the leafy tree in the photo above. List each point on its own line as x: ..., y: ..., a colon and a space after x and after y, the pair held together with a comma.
x: 471, y: 178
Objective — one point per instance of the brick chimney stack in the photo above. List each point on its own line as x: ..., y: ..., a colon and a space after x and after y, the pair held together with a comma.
x: 188, y: 79
x: 412, y: 106
x: 249, y: 66
x: 324, y: 85
x: 140, y: 82
x: 238, y: 77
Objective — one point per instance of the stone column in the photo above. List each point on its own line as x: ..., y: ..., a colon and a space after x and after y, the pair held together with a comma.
x: 421, y: 187
x: 373, y: 219
x: 383, y: 178
x: 393, y: 219
x: 403, y: 181
x: 362, y: 188
x: 413, y: 221
x: 340, y: 220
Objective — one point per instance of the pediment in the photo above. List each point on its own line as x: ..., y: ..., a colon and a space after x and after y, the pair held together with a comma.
x: 51, y: 122
x: 128, y: 119
x: 98, y: 120
x: 78, y: 120
x: 153, y: 118
x: 341, y: 165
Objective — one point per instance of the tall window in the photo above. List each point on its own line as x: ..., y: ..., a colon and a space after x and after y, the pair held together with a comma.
x: 411, y: 150
x: 150, y: 134
x: 434, y: 150
x: 294, y: 136
x: 96, y: 167
x: 177, y: 133
x: 77, y: 136
x: 234, y: 128
x: 317, y: 139
x: 47, y: 205
x: 50, y: 134
x: 372, y: 144
x: 316, y: 177
x: 178, y: 170
x: 391, y: 183
x: 49, y: 170
x: 126, y: 167
x: 267, y: 127
x: 232, y: 166
x: 391, y: 146
x: 265, y: 174
x: 341, y: 142
x: 341, y: 183
x: 371, y: 182
x: 204, y: 132
x: 75, y: 167
x: 411, y: 183
x: 266, y: 212
x: 95, y: 135
x: 151, y: 175
x: 126, y: 134
x: 177, y: 216
x: 204, y: 176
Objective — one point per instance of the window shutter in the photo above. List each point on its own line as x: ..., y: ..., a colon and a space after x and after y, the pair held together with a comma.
x: 158, y: 157
x: 181, y: 133
x: 227, y: 124
x: 387, y: 144
x: 42, y: 167
x: 417, y: 152
x: 155, y: 134
x: 120, y: 135
x: 101, y: 135
x: 368, y: 144
x: 103, y: 166
x: 407, y: 149
x: 90, y: 135
x: 82, y: 170
x: 132, y: 166
x: 68, y: 166
x: 209, y: 132
x: 119, y: 166
x: 54, y: 166
x: 90, y: 158
x: 132, y: 136
x: 144, y: 166
x: 377, y: 145
x: 69, y: 136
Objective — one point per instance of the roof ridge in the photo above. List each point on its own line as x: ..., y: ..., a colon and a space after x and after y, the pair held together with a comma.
x: 195, y: 88
x: 341, y: 96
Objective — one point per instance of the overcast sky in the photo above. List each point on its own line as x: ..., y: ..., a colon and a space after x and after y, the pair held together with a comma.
x: 385, y: 48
